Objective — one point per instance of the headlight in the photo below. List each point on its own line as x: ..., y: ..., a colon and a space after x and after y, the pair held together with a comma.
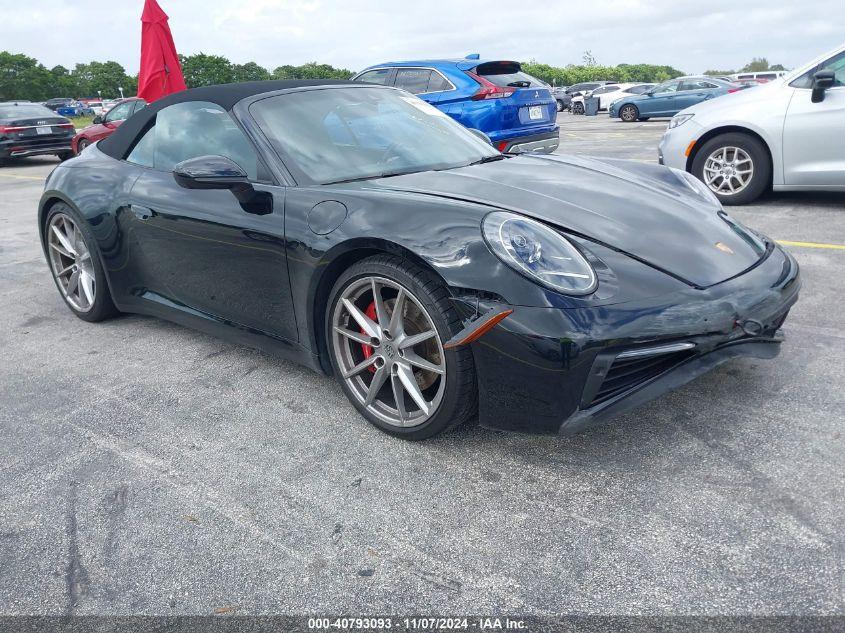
x: 679, y: 119
x: 538, y: 252
x: 697, y: 186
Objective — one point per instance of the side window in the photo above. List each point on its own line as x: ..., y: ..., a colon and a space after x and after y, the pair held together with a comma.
x: 638, y: 90
x: 693, y: 84
x: 379, y: 76
x: 414, y: 80
x: 192, y: 129
x: 140, y: 104
x: 197, y: 128
x: 119, y: 112
x: 835, y: 63
x: 144, y: 151
x: 664, y: 88
x: 438, y: 83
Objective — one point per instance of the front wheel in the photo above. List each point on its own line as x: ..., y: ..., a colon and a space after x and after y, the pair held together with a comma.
x: 577, y: 108
x: 736, y: 167
x: 63, y: 156
x: 629, y: 113
x: 559, y: 105
x: 81, y: 145
x: 386, y: 325
x: 75, y: 265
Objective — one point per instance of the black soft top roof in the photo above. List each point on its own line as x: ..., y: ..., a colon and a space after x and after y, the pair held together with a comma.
x: 224, y: 95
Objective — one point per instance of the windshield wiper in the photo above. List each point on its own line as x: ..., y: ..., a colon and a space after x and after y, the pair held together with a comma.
x: 488, y: 159
x: 387, y: 174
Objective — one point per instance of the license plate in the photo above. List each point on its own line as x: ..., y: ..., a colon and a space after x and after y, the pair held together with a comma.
x: 535, y: 112
x: 44, y: 129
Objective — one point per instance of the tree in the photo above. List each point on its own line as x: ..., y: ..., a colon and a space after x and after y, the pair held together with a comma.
x: 206, y: 70
x: 22, y: 77
x: 588, y: 59
x: 311, y: 70
x: 249, y: 72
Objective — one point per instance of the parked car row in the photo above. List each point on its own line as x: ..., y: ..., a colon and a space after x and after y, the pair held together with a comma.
x: 607, y: 94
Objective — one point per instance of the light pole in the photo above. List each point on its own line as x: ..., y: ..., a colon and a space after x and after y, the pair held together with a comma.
x: 121, y: 92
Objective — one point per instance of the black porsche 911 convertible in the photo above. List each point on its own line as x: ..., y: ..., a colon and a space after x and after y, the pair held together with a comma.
x: 362, y: 232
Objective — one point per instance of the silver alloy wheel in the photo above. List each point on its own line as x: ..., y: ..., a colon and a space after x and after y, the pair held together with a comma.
x: 728, y: 170
x: 392, y: 359
x: 70, y: 261
x: 81, y: 145
x: 628, y: 113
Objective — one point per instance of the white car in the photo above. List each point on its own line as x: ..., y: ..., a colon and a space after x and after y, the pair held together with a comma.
x: 786, y: 135
x: 608, y: 94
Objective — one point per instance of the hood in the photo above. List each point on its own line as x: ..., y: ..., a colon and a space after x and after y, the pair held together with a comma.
x: 642, y: 210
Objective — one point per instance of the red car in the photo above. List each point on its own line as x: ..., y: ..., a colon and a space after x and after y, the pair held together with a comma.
x: 106, y: 124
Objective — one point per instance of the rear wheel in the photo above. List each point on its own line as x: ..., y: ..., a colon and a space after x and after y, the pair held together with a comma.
x: 643, y: 118
x: 75, y: 265
x: 735, y: 166
x: 386, y: 325
x: 629, y: 113
x: 559, y: 105
x: 63, y: 156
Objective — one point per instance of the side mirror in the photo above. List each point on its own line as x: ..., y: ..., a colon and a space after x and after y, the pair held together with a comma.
x: 209, y: 172
x: 219, y: 172
x: 97, y: 119
x: 822, y: 80
x: 481, y: 135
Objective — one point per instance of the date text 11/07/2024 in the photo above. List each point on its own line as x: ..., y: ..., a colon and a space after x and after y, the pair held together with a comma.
x: 418, y: 623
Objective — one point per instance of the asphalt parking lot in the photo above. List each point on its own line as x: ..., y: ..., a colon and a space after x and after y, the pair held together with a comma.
x: 146, y: 468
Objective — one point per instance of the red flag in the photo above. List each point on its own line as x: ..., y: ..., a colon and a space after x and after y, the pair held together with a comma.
x: 160, y: 72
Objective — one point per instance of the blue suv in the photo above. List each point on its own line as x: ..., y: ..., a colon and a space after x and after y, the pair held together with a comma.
x: 517, y: 111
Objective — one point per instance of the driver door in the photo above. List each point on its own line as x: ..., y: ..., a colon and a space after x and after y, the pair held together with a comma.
x: 662, y: 101
x: 813, y: 133
x: 112, y: 120
x: 200, y: 249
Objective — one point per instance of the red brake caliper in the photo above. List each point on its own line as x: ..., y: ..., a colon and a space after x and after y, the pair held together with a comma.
x: 368, y: 349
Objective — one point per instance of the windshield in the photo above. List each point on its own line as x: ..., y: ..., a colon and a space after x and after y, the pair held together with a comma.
x: 25, y: 111
x: 338, y: 134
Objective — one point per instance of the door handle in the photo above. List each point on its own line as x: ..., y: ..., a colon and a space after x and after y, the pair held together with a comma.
x: 142, y: 213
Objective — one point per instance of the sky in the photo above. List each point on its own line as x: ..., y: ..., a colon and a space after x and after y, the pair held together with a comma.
x: 692, y: 36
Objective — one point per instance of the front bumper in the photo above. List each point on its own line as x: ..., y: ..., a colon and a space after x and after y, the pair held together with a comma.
x: 549, y: 370
x: 671, y: 151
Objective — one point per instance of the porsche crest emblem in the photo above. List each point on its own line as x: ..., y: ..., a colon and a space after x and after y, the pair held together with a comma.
x: 724, y: 248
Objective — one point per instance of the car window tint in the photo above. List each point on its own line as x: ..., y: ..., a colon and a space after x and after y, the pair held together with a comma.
x: 144, y: 151
x: 379, y: 76
x: 696, y: 84
x: 120, y: 112
x: 835, y: 63
x: 438, y: 83
x: 638, y: 90
x: 139, y: 105
x: 414, y: 80
x: 518, y: 79
x: 663, y: 88
x: 197, y: 128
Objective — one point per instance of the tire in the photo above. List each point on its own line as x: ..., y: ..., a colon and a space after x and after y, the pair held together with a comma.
x: 629, y: 113
x: 63, y: 156
x: 79, y: 301
x: 577, y: 108
x: 735, y: 147
x: 643, y: 118
x: 559, y: 105
x: 81, y: 145
x: 426, y: 302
